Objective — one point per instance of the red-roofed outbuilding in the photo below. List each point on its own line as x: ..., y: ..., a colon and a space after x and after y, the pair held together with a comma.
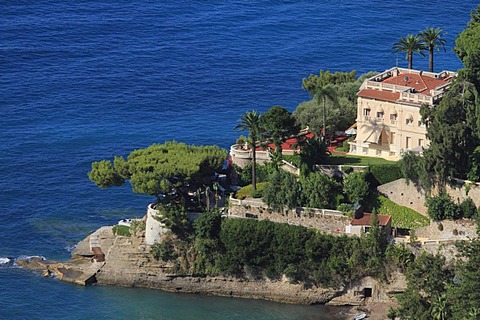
x: 361, y: 224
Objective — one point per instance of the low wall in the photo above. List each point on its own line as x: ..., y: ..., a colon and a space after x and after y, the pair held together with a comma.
x: 242, y: 157
x: 338, y: 170
x: 329, y: 221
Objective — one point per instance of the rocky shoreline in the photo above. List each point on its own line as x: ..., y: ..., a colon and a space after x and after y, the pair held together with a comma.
x: 129, y: 263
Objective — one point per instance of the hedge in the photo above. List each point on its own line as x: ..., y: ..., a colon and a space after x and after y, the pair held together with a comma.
x: 384, y: 173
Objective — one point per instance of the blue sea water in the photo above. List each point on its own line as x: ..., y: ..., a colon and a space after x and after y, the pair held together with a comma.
x: 85, y: 80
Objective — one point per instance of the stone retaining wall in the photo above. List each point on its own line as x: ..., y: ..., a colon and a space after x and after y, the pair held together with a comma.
x: 414, y: 198
x: 329, y: 221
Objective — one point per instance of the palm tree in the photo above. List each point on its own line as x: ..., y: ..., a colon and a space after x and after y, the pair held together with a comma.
x: 250, y: 121
x: 322, y: 94
x: 432, y: 39
x: 440, y: 308
x: 410, y: 44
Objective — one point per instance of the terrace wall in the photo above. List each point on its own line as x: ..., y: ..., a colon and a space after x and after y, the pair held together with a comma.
x: 329, y: 221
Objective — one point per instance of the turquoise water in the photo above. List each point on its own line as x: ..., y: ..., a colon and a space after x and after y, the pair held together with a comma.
x: 86, y: 80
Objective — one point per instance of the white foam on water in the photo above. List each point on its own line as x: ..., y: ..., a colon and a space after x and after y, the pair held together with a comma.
x: 70, y: 248
x: 30, y: 257
x: 4, y: 260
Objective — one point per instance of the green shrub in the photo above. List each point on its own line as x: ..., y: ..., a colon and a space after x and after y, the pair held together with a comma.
x: 344, y: 207
x: 119, y: 230
x: 263, y: 248
x: 137, y: 225
x: 247, y: 191
x: 442, y: 207
x: 262, y: 173
x: 356, y: 187
x: 384, y: 173
x: 163, y: 251
x: 345, y: 147
x: 468, y: 208
x: 347, y: 169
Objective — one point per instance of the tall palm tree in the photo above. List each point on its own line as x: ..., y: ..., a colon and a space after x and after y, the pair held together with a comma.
x: 322, y: 94
x: 410, y: 44
x: 250, y: 121
x: 432, y: 39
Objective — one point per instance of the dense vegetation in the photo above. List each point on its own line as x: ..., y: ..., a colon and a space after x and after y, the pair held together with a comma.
x: 259, y: 249
x: 453, y: 127
x: 442, y: 207
x: 438, y: 290
x: 284, y: 191
x: 334, y: 101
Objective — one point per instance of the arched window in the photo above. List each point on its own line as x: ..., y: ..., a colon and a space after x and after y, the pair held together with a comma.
x: 380, y: 112
x: 409, y: 120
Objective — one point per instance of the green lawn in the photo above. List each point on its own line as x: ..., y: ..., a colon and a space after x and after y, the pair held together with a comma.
x: 247, y: 190
x: 402, y: 217
x: 355, y: 160
x: 121, y: 230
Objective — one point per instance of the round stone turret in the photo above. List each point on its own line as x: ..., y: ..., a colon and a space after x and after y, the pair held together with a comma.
x: 153, y: 227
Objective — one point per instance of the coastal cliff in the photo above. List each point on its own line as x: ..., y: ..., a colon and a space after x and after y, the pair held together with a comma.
x: 129, y: 263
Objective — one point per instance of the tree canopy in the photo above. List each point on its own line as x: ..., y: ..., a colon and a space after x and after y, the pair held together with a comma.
x: 433, y: 39
x: 277, y: 124
x: 467, y: 47
x: 154, y: 170
x: 453, y: 125
x: 410, y: 44
x: 340, y: 92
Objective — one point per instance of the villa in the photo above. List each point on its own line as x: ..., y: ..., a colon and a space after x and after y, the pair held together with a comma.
x: 388, y: 111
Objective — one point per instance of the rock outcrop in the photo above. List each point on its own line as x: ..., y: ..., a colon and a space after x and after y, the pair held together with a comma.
x: 128, y: 263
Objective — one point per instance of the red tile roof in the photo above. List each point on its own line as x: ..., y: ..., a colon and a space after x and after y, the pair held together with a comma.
x: 289, y: 143
x: 383, y: 220
x: 379, y: 95
x: 421, y: 83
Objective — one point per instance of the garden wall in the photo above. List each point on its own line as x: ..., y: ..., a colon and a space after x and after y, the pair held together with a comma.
x: 329, y: 221
x: 409, y: 196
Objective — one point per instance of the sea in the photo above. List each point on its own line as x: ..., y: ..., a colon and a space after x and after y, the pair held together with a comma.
x: 85, y: 80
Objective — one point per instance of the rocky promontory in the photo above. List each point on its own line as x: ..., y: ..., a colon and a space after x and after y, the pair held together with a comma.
x: 129, y: 263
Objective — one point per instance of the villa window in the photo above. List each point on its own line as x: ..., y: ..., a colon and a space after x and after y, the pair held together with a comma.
x: 393, y: 118
x: 366, y: 113
x: 421, y: 123
x: 379, y: 115
x: 420, y: 142
x: 409, y: 120
x: 408, y: 142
